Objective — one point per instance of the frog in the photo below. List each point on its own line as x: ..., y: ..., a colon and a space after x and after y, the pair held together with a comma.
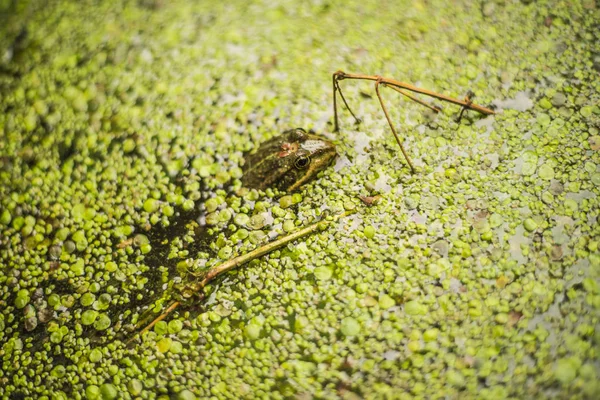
x: 287, y: 161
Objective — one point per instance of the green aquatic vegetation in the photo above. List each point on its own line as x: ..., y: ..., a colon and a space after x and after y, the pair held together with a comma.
x: 350, y: 327
x: 475, y: 276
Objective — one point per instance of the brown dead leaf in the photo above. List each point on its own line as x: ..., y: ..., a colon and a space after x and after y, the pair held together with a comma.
x: 514, y: 317
x: 370, y: 200
x: 502, y: 281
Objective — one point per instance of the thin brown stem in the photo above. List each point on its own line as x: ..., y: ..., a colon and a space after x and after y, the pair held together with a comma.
x: 415, y: 99
x: 402, y: 85
x: 389, y: 120
x: 335, y: 114
x: 162, y: 316
x: 337, y: 88
x: 235, y: 262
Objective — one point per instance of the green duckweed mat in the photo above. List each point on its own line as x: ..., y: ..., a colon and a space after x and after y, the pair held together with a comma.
x: 475, y: 277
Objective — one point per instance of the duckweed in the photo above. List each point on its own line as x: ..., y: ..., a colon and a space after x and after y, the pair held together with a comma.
x: 22, y: 301
x: 455, y: 378
x: 288, y: 226
x: 88, y: 317
x: 135, y: 387
x: 108, y: 391
x: 252, y: 332
x: 323, y: 273
x: 121, y: 161
x: 92, y: 392
x: 185, y: 395
x: 286, y: 201
x: 565, y: 371
x: 161, y: 328
x: 241, y: 219
x: 350, y: 327
x: 415, y: 308
x: 546, y: 172
x: 102, y: 322
x: 386, y: 302
x: 95, y: 356
x: 5, y: 217
x: 175, y: 326
x: 530, y: 224
x: 164, y: 345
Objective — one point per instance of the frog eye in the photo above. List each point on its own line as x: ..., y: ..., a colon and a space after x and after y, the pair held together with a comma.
x: 299, y: 133
x: 302, y: 162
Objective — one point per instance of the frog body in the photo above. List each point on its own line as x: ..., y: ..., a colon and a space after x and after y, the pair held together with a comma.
x: 287, y: 161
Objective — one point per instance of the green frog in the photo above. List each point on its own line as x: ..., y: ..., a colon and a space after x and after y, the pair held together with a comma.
x: 287, y: 161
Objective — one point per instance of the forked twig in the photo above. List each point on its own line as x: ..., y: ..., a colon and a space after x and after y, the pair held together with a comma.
x: 403, y: 88
x: 197, y: 287
x: 469, y: 100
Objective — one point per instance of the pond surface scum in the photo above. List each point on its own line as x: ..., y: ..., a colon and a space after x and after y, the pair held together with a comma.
x: 124, y: 127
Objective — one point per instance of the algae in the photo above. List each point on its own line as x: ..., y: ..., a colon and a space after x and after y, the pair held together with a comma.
x: 477, y: 276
